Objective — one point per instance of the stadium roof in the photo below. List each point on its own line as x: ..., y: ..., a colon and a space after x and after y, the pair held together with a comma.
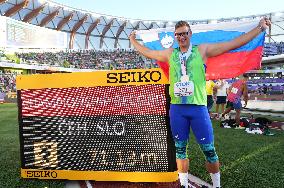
x: 88, y: 29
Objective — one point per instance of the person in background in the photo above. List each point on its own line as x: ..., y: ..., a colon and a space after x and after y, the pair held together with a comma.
x: 235, y: 93
x: 209, y: 91
x: 221, y: 87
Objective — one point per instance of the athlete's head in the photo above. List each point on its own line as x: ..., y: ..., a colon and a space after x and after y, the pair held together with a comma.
x: 183, y: 33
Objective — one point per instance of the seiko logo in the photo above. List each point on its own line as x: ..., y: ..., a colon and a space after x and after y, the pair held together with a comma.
x: 126, y: 77
x: 41, y: 174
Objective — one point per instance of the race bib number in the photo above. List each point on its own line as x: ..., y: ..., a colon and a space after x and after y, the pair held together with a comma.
x: 183, y: 89
x: 234, y: 90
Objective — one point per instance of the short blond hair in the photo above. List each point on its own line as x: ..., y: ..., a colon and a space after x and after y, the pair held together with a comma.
x: 181, y: 24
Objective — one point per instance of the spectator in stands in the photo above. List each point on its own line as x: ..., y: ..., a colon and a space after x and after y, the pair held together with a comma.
x: 8, y: 81
x: 259, y: 89
x: 235, y: 92
x: 269, y: 89
x: 264, y: 89
x: 188, y: 92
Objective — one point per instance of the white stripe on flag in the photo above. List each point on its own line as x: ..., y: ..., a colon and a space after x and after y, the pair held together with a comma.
x: 149, y: 36
x: 241, y: 26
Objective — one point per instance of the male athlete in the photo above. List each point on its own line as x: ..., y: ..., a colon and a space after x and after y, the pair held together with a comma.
x: 188, y: 92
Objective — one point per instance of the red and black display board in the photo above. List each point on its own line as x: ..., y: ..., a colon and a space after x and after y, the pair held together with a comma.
x: 105, y: 126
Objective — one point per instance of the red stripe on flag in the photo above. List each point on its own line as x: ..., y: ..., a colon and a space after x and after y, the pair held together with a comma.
x: 165, y: 67
x: 230, y: 65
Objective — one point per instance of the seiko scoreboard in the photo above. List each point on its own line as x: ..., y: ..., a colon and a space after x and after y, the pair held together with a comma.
x: 104, y: 126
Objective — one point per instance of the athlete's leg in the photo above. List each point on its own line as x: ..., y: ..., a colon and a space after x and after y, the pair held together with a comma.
x: 210, y: 103
x: 203, y: 132
x: 223, y: 102
x: 222, y: 107
x: 229, y: 107
x: 217, y: 108
x: 180, y: 132
x: 237, y: 118
x: 227, y: 111
x: 238, y: 107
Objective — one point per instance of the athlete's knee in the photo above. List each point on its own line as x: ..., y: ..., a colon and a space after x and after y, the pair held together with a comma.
x: 209, y: 152
x: 181, y: 149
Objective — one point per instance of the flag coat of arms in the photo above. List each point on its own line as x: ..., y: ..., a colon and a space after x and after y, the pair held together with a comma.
x: 227, y: 65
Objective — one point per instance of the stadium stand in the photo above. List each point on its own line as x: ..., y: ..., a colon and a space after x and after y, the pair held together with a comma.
x: 104, y: 59
x: 274, y: 48
x: 8, y: 82
x: 86, y: 59
x: 269, y: 86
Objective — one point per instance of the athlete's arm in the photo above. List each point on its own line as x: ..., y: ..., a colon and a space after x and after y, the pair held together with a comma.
x: 211, y: 50
x: 159, y: 55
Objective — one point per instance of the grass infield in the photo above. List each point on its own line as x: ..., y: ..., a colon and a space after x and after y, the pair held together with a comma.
x: 246, y: 160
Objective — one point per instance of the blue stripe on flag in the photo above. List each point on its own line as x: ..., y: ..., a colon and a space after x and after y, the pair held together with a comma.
x: 225, y: 36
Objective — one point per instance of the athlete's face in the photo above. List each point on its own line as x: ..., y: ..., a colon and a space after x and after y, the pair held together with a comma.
x: 183, y: 35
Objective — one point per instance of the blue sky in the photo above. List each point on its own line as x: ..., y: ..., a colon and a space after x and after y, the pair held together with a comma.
x: 177, y: 10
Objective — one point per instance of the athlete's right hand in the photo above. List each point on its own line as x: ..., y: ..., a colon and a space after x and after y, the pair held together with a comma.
x: 264, y: 23
x: 132, y: 35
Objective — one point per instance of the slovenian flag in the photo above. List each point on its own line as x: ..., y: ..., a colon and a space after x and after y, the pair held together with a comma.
x: 227, y: 65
